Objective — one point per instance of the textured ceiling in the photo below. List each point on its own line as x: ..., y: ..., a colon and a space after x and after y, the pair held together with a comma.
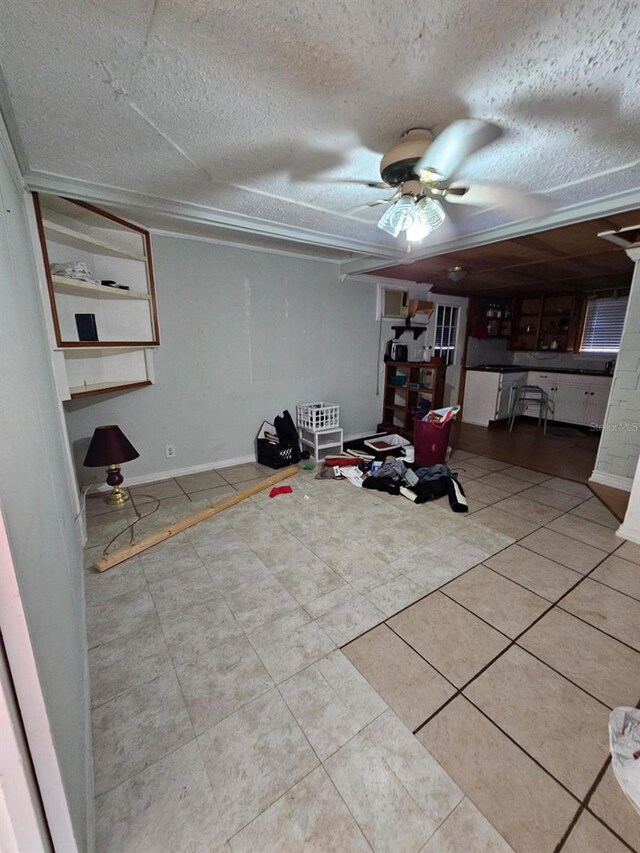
x: 232, y: 105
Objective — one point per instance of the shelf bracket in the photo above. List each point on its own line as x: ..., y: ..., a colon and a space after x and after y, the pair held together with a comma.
x: 417, y: 331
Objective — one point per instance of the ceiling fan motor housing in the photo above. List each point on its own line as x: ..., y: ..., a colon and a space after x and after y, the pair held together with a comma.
x: 397, y: 165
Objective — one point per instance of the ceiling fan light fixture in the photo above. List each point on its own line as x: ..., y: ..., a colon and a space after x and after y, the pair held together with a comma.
x: 456, y: 273
x: 431, y: 211
x: 430, y: 176
x: 399, y: 216
x: 418, y: 231
x: 429, y: 215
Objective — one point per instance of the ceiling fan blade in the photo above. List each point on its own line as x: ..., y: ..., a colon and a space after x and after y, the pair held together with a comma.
x: 458, y: 141
x: 376, y: 185
x: 372, y: 204
x: 522, y: 205
x: 365, y: 206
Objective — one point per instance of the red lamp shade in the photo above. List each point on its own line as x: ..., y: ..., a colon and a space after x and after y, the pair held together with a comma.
x: 109, y: 446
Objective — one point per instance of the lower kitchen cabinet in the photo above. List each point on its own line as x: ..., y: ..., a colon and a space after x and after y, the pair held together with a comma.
x: 569, y: 403
x: 488, y: 395
x: 574, y: 398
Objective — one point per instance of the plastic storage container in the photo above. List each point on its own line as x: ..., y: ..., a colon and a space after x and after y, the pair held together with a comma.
x: 317, y: 416
x: 430, y: 442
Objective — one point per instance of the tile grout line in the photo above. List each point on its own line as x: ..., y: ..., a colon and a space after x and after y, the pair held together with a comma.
x: 513, y: 642
x: 148, y: 766
x: 585, y: 806
x: 574, y: 820
x: 615, y: 588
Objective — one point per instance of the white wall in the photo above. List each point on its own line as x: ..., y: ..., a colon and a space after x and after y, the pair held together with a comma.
x: 38, y: 505
x: 244, y: 334
x: 620, y: 443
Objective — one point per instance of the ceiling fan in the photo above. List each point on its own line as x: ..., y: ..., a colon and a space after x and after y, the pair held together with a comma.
x: 421, y: 170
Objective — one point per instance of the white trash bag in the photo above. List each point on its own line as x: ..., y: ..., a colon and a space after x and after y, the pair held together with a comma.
x: 624, y: 740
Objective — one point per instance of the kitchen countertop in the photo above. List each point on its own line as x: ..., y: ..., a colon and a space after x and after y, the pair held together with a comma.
x: 511, y: 368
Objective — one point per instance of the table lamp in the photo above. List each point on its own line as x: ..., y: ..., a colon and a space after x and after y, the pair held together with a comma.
x: 110, y: 448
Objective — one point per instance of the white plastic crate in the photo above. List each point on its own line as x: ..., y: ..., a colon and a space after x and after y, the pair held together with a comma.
x: 317, y: 416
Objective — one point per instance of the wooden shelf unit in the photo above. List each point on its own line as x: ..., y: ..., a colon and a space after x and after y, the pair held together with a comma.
x: 401, y: 402
x: 543, y: 320
x: 80, y: 240
x: 126, y: 319
x: 480, y: 322
x: 104, y: 387
x: 77, y: 287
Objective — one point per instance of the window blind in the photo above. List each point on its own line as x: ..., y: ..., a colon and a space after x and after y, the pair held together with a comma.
x: 603, y: 325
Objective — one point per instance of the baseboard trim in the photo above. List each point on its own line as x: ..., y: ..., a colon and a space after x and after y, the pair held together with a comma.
x: 628, y: 531
x: 613, y: 480
x: 143, y: 479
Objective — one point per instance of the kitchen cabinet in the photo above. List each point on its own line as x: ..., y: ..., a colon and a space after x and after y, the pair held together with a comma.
x: 597, y: 403
x: 526, y: 329
x: 547, y: 323
x: 490, y: 317
x: 574, y: 398
x: 488, y: 395
x: 548, y: 383
x: 581, y: 399
x: 509, y: 384
x: 569, y: 403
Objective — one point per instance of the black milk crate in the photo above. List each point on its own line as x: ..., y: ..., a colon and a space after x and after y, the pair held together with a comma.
x: 277, y: 455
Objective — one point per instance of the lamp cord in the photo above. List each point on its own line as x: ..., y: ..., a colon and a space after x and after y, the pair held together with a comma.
x: 130, y: 527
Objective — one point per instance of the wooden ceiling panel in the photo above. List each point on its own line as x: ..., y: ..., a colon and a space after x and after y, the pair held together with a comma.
x: 558, y: 260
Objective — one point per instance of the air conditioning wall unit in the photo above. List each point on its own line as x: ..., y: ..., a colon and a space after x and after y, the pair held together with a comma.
x: 394, y: 303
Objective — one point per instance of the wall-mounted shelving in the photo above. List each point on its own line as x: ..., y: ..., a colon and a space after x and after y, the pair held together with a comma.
x: 80, y: 240
x: 123, y: 319
x: 77, y: 287
x: 547, y: 323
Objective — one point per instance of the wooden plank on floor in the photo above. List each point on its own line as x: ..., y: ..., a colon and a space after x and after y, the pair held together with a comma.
x: 122, y: 554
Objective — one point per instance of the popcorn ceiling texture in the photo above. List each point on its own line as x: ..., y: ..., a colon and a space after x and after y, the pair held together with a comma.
x: 234, y: 105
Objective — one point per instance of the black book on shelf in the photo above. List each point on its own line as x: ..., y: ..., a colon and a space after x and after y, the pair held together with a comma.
x: 86, y: 325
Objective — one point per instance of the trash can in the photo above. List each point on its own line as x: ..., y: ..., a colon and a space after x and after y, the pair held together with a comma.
x: 430, y: 441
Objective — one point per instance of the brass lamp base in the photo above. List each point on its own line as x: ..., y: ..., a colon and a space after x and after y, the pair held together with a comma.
x: 117, y: 496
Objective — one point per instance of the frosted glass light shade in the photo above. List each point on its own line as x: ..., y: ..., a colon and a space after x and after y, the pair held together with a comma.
x: 399, y: 216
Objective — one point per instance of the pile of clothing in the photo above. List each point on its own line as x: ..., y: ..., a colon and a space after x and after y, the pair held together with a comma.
x: 417, y: 484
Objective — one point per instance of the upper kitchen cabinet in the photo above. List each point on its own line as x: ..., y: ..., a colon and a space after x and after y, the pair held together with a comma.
x: 490, y: 317
x: 526, y: 330
x: 546, y: 323
x: 101, y: 291
x: 559, y: 323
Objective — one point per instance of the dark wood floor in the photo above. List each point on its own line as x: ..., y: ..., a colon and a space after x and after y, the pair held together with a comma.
x: 564, y: 451
x: 616, y: 500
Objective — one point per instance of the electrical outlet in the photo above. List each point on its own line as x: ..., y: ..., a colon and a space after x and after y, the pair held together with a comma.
x: 169, y: 450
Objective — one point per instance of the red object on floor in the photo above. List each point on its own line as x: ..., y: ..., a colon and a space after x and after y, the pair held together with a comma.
x: 340, y: 461
x: 280, y: 490
x: 430, y: 443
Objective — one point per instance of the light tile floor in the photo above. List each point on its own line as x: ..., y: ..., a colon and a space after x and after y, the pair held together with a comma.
x: 341, y: 670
